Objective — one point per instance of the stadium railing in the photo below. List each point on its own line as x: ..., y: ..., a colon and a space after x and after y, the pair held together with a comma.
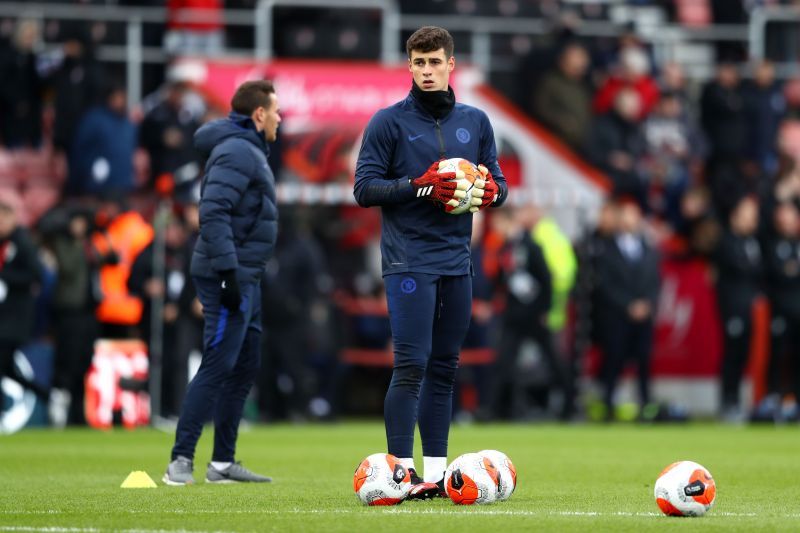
x: 669, y: 40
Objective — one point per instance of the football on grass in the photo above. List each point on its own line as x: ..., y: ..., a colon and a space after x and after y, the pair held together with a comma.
x: 380, y: 479
x: 471, y: 479
x: 685, y: 488
x: 465, y: 171
x: 506, y: 473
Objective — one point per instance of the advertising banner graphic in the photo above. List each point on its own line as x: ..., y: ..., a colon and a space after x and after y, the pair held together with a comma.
x: 113, y: 360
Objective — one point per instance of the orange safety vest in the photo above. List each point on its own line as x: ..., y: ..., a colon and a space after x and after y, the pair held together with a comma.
x: 127, y: 235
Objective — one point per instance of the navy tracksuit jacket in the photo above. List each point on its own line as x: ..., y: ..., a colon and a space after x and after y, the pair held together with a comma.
x: 426, y: 260
x: 238, y: 230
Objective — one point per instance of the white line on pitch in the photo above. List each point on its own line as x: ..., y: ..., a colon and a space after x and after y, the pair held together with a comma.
x: 471, y: 511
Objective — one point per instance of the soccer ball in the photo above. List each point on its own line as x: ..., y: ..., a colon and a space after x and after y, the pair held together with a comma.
x: 685, y: 488
x: 464, y: 170
x: 380, y: 479
x: 471, y: 479
x: 506, y: 473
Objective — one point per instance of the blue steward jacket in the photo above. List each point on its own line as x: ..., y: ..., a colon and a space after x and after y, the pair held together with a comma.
x: 238, y: 210
x: 399, y: 144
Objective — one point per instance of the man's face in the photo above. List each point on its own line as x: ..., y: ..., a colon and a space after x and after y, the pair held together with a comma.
x: 630, y: 218
x: 431, y: 70
x: 268, y: 118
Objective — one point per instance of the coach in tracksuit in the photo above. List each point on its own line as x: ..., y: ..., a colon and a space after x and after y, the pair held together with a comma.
x: 426, y: 251
x: 238, y: 229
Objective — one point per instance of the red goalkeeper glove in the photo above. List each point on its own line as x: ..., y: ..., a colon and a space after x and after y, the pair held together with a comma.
x: 487, y: 189
x: 437, y: 186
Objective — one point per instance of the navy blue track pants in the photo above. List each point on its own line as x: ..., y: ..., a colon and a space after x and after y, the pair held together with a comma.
x: 429, y: 315
x: 231, y: 358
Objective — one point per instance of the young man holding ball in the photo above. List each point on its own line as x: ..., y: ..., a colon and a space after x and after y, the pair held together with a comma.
x: 427, y: 266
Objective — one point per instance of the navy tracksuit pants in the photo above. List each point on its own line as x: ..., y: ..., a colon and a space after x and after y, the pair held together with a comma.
x: 231, y: 358
x: 430, y: 316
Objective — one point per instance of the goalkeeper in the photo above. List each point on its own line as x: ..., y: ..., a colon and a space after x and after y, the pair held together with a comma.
x: 425, y: 251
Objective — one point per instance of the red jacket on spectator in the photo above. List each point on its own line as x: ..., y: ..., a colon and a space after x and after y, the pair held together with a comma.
x: 205, y: 8
x: 645, y: 86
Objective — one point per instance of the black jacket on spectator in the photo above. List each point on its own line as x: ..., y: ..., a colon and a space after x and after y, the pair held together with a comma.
x: 724, y: 120
x: 620, y: 281
x: 740, y: 273
x: 20, y: 270
x: 528, y: 283
x: 765, y: 108
x: 77, y: 85
x: 163, y: 125
x: 611, y: 133
x: 782, y: 265
x: 20, y: 99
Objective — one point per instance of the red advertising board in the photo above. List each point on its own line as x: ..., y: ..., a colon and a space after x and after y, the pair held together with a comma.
x: 688, y: 336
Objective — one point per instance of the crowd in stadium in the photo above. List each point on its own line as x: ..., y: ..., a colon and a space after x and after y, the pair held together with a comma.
x: 705, y: 171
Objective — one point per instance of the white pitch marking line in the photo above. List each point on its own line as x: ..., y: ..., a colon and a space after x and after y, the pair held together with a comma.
x: 449, y: 512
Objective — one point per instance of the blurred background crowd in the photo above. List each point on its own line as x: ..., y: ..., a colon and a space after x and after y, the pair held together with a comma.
x: 99, y: 191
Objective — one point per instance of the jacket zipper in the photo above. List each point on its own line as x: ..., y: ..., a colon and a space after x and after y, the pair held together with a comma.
x: 441, y: 139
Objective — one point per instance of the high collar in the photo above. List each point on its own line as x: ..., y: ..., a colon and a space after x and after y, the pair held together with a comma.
x: 437, y: 103
x: 245, y: 122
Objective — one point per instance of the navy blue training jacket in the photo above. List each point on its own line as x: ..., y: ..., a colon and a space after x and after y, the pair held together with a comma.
x: 238, y: 211
x: 400, y: 143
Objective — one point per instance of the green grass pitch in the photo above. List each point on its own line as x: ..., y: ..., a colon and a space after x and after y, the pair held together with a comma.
x: 571, y: 478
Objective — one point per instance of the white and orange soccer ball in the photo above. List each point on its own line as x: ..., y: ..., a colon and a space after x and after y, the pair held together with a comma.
x: 467, y: 173
x: 685, y: 488
x: 506, y: 471
x: 471, y: 479
x: 380, y: 479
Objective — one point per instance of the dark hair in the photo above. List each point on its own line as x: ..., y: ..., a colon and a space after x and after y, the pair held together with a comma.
x: 251, y: 95
x: 430, y: 39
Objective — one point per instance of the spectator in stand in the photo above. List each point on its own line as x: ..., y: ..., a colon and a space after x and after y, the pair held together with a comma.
x: 739, y: 279
x: 20, y: 271
x: 698, y: 224
x: 77, y: 81
x: 22, y: 92
x: 765, y: 106
x: 782, y: 265
x: 562, y: 100
x: 590, y: 252
x: 66, y: 234
x: 618, y: 144
x: 101, y: 156
x: 671, y: 146
x: 634, y: 74
x: 120, y: 236
x: 167, y: 131
x: 542, y: 57
x: 628, y: 284
x: 723, y: 116
x: 528, y: 289
x: 194, y: 27
x: 673, y: 80
x: 294, y: 280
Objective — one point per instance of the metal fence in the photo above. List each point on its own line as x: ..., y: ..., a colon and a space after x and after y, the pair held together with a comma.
x: 666, y: 39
